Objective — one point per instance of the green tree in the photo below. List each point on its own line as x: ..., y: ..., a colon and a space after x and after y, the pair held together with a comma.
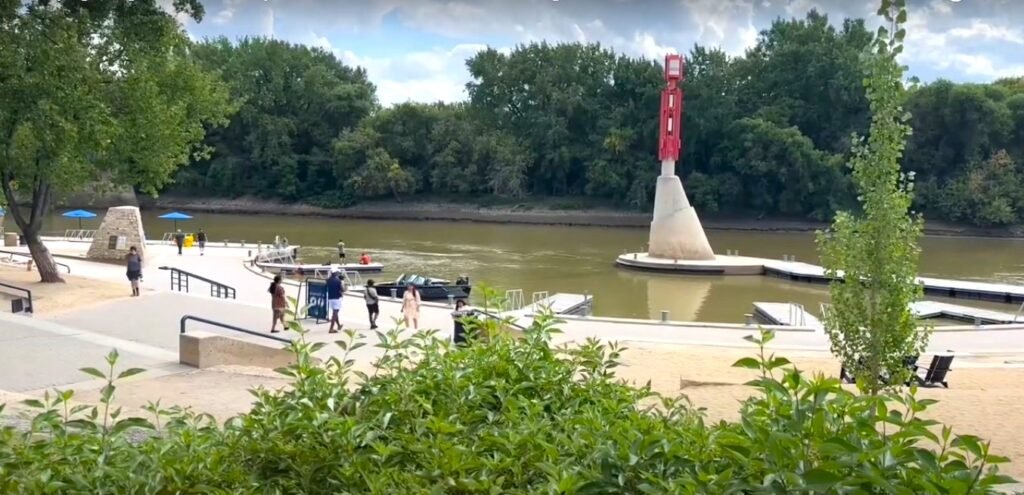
x: 779, y: 169
x: 381, y: 175
x: 294, y: 101
x: 876, y: 252
x: 808, y: 72
x: 96, y: 91
x: 988, y: 193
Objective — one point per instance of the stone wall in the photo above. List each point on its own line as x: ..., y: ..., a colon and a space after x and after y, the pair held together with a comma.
x: 120, y: 230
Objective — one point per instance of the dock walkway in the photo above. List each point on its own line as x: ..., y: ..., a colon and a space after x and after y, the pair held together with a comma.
x: 559, y: 303
x: 786, y: 314
x: 934, y: 309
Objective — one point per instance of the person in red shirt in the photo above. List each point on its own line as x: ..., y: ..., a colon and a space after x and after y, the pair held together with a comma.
x: 364, y: 259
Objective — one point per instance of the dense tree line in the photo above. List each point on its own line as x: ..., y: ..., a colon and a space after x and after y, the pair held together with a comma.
x: 766, y: 134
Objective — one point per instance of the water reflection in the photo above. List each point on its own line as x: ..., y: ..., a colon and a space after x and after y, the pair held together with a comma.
x: 683, y: 298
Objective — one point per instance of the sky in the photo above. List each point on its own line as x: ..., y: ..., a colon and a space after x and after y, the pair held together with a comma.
x: 415, y: 50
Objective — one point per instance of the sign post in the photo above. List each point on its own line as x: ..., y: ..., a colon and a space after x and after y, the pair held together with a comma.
x: 316, y: 299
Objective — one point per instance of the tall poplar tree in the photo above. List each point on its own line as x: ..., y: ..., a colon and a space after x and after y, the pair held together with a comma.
x: 873, y: 255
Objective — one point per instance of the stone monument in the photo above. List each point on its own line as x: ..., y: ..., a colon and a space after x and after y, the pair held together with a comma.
x: 676, y: 232
x: 120, y: 230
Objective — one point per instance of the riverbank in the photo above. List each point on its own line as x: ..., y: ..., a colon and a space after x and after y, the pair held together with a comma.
x: 535, y: 213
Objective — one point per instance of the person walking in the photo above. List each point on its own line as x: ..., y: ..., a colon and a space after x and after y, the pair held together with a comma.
x: 459, y: 317
x: 278, y: 303
x: 201, y: 238
x: 411, y: 307
x: 335, y: 290
x: 133, y: 262
x: 372, y: 303
x: 179, y: 239
x: 341, y: 250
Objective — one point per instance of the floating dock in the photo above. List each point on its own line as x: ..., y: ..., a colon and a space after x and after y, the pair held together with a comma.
x: 805, y: 272
x: 786, y: 314
x: 934, y: 309
x: 956, y: 289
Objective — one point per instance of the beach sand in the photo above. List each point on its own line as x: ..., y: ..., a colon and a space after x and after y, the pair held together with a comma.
x: 75, y: 293
x: 222, y: 391
x: 988, y: 402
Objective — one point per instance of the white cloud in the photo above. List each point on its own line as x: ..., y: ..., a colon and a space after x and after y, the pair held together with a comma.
x: 718, y: 21
x: 644, y: 44
x: 941, y: 48
x: 982, y: 30
x: 425, y: 76
x: 267, y: 22
x: 227, y: 12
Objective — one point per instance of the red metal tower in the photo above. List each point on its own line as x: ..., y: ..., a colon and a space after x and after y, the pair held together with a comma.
x: 669, y: 142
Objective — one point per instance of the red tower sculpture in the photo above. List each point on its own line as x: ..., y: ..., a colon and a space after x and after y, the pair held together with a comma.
x: 669, y: 142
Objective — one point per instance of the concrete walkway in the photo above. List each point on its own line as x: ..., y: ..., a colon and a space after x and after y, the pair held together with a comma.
x: 37, y: 354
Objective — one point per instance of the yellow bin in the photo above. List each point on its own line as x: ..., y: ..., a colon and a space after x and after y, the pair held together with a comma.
x: 188, y: 240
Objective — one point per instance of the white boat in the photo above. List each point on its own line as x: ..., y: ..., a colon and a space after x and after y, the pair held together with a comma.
x: 314, y: 269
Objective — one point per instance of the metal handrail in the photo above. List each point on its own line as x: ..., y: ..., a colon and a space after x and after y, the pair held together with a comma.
x: 187, y: 318
x: 27, y: 292
x: 217, y: 289
x: 498, y: 318
x: 797, y: 315
x: 29, y: 256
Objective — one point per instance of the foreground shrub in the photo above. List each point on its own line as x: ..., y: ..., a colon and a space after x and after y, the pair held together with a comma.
x: 506, y: 416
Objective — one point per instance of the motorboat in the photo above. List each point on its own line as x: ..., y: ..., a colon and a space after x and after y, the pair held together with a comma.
x: 431, y: 289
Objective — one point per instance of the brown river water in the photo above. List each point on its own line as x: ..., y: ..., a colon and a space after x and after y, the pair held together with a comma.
x: 581, y: 259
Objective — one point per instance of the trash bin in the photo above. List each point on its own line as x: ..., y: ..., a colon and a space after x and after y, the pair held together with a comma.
x: 11, y: 239
x: 189, y: 240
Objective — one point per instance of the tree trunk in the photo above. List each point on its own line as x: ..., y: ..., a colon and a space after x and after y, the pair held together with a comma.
x: 44, y: 260
x: 32, y: 223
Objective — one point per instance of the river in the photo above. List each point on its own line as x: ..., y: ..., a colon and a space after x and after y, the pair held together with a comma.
x: 581, y: 259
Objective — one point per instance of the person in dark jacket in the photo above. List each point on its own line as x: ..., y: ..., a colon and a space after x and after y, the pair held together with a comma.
x: 372, y: 303
x: 201, y: 239
x: 459, y: 316
x: 179, y: 239
x: 134, y: 264
x: 335, y: 289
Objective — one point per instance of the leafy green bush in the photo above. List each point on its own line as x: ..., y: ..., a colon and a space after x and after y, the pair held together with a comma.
x: 512, y: 415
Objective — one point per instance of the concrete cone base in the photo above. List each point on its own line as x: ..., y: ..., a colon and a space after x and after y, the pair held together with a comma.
x: 676, y: 232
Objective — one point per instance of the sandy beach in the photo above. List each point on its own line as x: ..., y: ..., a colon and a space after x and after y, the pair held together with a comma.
x: 988, y: 402
x: 75, y: 293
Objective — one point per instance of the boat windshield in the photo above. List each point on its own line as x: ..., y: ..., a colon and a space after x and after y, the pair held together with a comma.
x: 416, y: 280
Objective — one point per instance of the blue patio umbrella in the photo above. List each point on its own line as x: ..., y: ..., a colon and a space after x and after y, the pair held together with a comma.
x: 177, y: 215
x: 79, y: 214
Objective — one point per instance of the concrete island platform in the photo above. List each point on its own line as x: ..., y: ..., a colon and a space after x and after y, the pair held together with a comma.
x: 805, y: 272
